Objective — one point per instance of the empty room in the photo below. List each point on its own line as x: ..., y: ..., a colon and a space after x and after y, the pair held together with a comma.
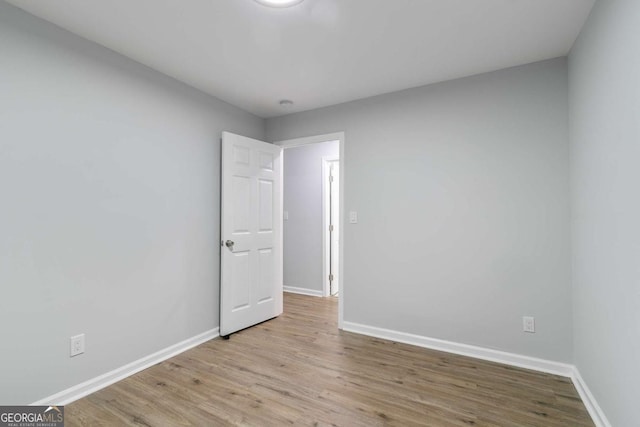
x: 319, y: 212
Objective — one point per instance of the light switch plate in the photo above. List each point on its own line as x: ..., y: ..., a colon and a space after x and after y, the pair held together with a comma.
x: 285, y: 215
x: 353, y: 217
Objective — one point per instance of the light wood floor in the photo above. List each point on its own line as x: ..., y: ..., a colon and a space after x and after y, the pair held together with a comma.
x: 299, y: 369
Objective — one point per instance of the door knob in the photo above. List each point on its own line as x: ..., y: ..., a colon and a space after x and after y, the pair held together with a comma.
x: 229, y: 244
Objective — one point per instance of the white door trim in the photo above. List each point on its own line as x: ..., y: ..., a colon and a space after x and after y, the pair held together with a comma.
x: 328, y: 137
x: 326, y: 244
x: 340, y: 137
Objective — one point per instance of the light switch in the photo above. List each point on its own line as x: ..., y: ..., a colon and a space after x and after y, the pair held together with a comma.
x: 353, y: 217
x: 285, y: 215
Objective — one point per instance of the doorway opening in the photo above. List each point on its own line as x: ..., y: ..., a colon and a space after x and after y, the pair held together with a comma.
x: 313, y: 216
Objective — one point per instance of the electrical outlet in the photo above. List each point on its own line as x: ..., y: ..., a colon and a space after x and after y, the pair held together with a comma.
x: 77, y: 345
x: 528, y: 324
x: 285, y: 215
x: 353, y: 217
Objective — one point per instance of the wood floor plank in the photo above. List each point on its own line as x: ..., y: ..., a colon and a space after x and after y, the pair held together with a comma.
x: 299, y: 369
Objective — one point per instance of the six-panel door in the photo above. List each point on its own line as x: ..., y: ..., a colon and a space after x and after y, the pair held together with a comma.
x: 251, y: 233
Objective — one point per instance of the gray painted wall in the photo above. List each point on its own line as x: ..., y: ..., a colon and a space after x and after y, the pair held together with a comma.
x: 604, y: 71
x: 109, y: 217
x: 110, y: 207
x: 462, y: 191
x: 303, y: 201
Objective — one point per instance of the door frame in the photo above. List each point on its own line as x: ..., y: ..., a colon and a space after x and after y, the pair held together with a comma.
x: 340, y: 137
x: 326, y: 236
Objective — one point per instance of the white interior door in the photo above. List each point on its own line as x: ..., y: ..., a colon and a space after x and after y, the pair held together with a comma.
x: 334, y: 196
x: 251, y: 233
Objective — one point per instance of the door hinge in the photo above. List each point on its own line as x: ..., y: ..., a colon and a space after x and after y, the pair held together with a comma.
x: 330, y: 178
x: 331, y: 277
x: 331, y: 228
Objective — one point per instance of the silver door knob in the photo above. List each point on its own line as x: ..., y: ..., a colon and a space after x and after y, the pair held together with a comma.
x: 229, y: 244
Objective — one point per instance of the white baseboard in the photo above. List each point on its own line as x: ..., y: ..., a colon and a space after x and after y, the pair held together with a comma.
x: 303, y: 291
x: 557, y: 368
x: 597, y: 415
x: 81, y: 390
x: 542, y: 365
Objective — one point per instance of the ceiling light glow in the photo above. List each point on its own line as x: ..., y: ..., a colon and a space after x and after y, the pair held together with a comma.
x: 279, y: 3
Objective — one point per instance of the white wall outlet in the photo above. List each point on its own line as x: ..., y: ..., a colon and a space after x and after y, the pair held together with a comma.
x: 285, y: 215
x: 353, y: 217
x: 528, y: 324
x: 77, y: 345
